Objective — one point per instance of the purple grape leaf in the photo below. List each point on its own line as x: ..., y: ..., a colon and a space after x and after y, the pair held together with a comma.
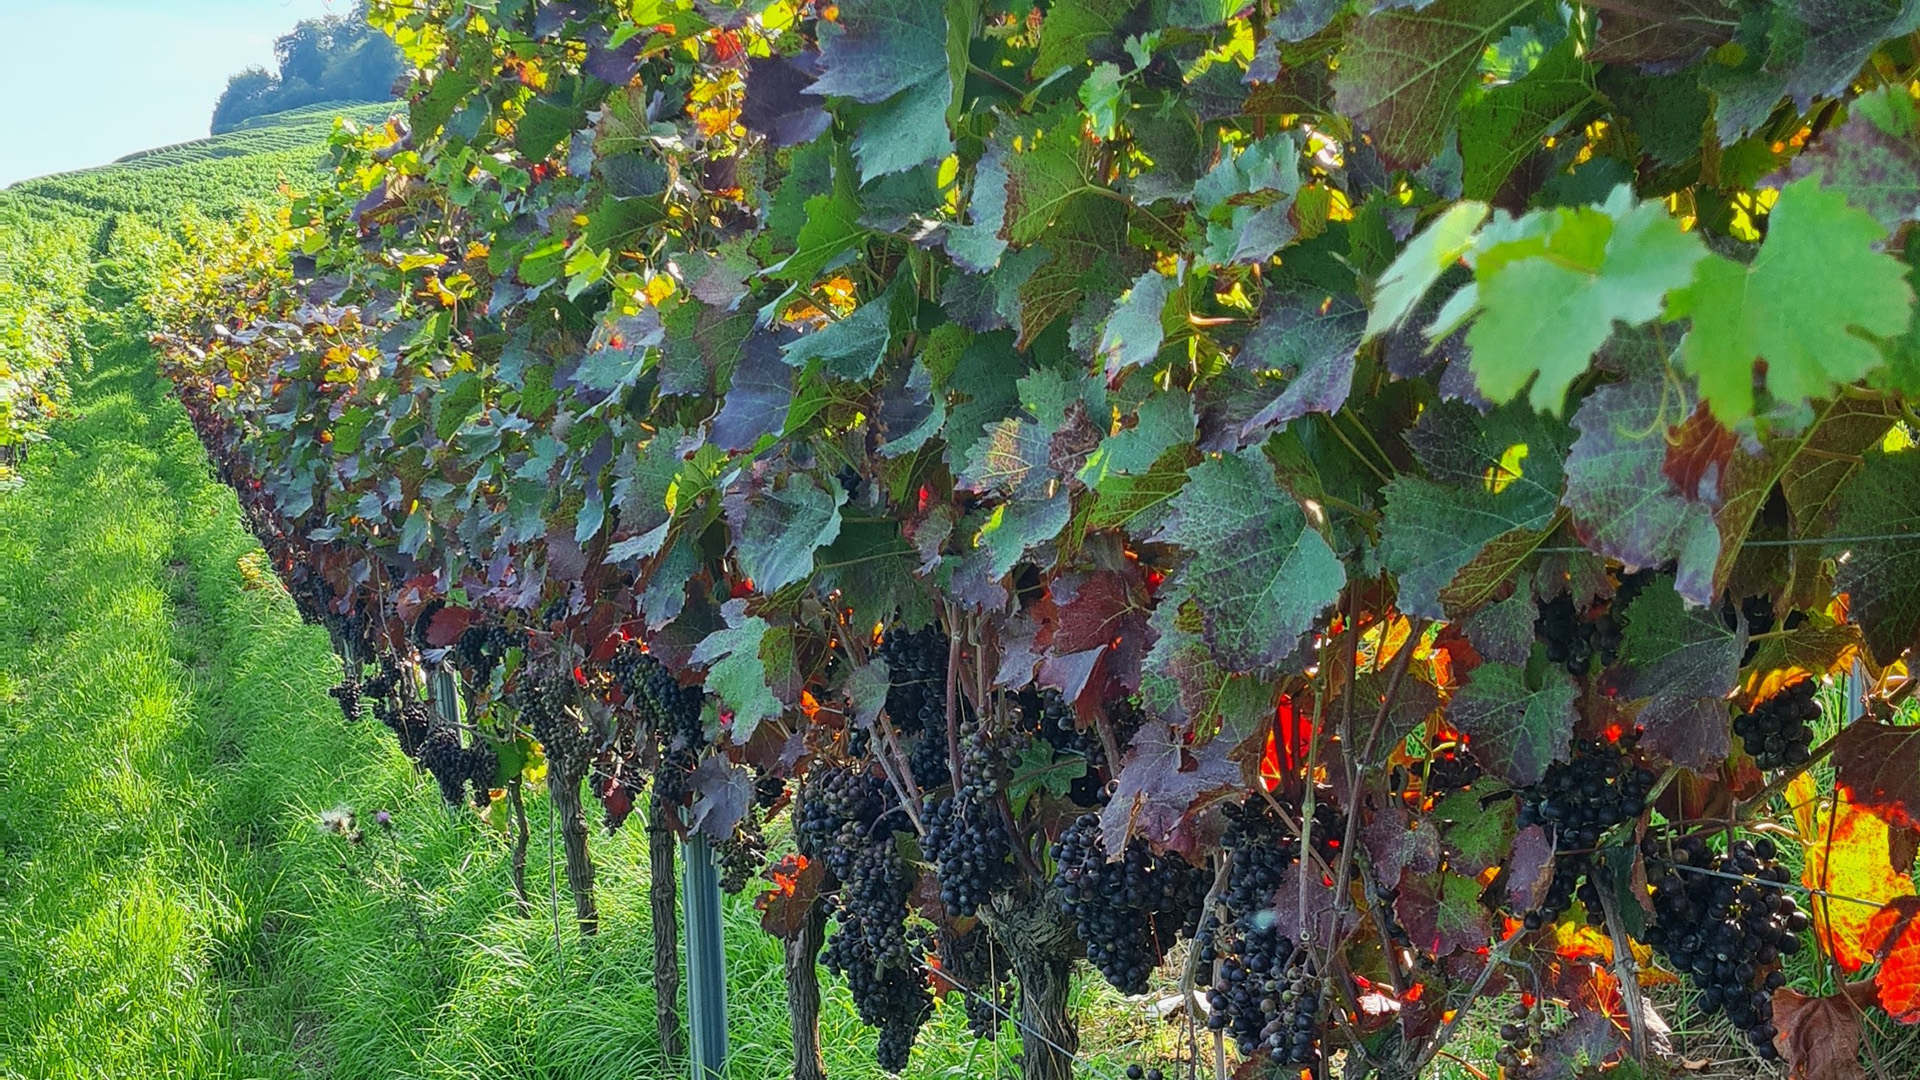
x: 1530, y: 870
x: 1310, y: 340
x: 1161, y: 782
x: 1442, y: 912
x: 1681, y: 662
x: 775, y: 105
x: 1624, y: 505
x: 722, y: 792
x: 1324, y: 920
x: 1396, y: 843
x: 757, y: 399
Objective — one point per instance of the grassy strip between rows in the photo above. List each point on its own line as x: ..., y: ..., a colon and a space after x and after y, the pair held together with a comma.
x: 170, y: 904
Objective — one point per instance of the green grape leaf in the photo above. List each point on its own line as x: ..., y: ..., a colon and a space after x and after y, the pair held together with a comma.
x: 1883, y: 575
x: 1504, y: 126
x: 1439, y: 246
x: 1015, y: 527
x: 1037, y: 768
x: 907, y: 130
x: 736, y: 674
x: 1681, y: 662
x: 1258, y: 570
x: 1047, y: 178
x: 831, y: 232
x: 1162, y: 422
x: 1815, y: 279
x: 1134, y: 332
x: 1311, y: 340
x: 1487, y: 480
x: 1517, y: 731
x: 1549, y: 298
x: 977, y: 246
x: 850, y: 349
x: 777, y: 529
x: 1476, y: 832
x: 1070, y: 26
x: 1402, y: 73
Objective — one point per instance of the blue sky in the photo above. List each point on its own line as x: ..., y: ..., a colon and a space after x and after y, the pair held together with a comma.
x: 87, y: 81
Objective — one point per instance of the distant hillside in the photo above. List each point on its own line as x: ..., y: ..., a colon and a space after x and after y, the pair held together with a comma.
x: 217, y: 175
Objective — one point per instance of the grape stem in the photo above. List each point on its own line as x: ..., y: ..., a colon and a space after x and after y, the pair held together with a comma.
x: 1626, y: 970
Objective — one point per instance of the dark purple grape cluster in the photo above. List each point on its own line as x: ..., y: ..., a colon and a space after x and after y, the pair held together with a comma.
x: 1266, y: 995
x: 1451, y: 768
x: 981, y: 972
x: 347, y: 693
x: 1726, y: 922
x: 743, y: 855
x: 453, y: 766
x: 1577, y: 801
x: 969, y: 848
x: 1573, y: 638
x: 557, y: 728
x: 892, y: 998
x: 1045, y: 713
x: 917, y: 673
x: 481, y: 648
x: 768, y: 790
x: 1260, y: 848
x: 409, y: 724
x: 1778, y: 732
x: 672, y: 713
x: 1518, y: 1055
x: 1127, y: 913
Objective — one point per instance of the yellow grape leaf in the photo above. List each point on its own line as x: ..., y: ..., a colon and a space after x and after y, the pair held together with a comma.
x: 1846, y: 857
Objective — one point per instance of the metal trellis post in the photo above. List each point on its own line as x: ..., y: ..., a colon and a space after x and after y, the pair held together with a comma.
x: 706, y: 959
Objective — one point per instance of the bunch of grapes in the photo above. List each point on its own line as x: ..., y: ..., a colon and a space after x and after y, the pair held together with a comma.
x: 1726, y: 928
x: 831, y: 800
x: 983, y: 974
x: 890, y: 997
x: 917, y: 672
x: 983, y: 769
x: 1520, y: 1038
x: 672, y: 710
x: 768, y: 790
x: 1451, y: 768
x: 1578, y: 801
x: 409, y: 724
x: 442, y: 755
x: 1266, y: 995
x: 347, y: 693
x: 483, y: 766
x: 742, y: 855
x: 1261, y: 848
x: 970, y: 849
x: 1127, y: 913
x: 1573, y: 638
x: 1778, y: 731
x: 558, y: 730
x: 481, y: 648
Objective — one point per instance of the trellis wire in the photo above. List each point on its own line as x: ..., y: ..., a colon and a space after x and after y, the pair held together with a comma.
x: 1802, y: 541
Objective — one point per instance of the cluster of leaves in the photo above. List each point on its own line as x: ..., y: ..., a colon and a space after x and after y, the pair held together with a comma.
x: 1161, y: 352
x: 43, y: 310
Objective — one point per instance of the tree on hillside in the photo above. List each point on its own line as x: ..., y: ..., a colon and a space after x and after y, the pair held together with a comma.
x: 335, y: 58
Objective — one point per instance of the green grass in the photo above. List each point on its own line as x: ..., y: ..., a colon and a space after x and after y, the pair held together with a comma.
x: 170, y: 906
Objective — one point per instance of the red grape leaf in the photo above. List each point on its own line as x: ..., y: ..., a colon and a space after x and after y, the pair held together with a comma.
x: 1878, y: 767
x: 796, y: 884
x: 1819, y: 1038
x: 448, y: 624
x: 1106, y: 608
x: 1697, y: 455
x: 1441, y: 912
x: 1516, y: 732
x: 1895, y: 930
